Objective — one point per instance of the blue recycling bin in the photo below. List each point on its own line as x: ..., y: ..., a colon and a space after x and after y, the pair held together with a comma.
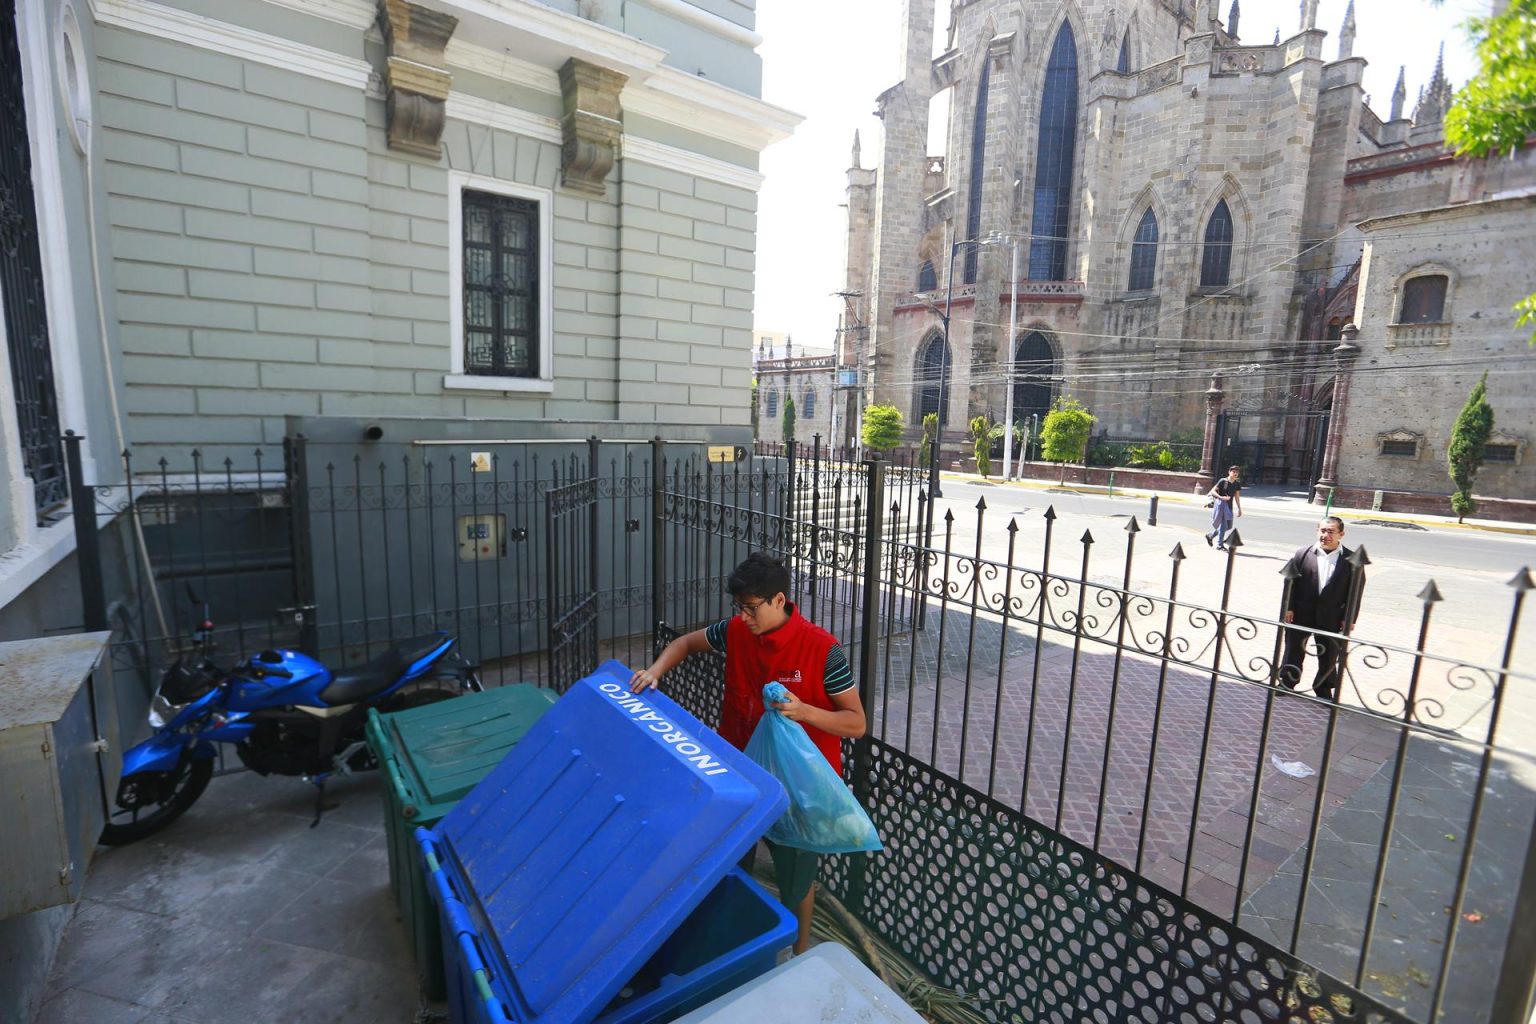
x: 591, y: 875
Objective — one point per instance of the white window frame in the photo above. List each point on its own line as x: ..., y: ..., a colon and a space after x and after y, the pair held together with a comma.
x: 456, y: 378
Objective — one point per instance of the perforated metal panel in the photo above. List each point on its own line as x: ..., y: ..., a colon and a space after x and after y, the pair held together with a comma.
x: 1039, y: 928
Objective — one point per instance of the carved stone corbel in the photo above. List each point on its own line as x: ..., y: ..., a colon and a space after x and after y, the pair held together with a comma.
x: 591, y: 124
x: 415, y: 82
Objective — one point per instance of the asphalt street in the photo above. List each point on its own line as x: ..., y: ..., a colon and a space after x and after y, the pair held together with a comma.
x: 1271, y: 517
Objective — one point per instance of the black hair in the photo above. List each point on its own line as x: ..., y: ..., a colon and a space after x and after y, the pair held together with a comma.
x: 1336, y: 521
x: 759, y: 575
x: 1234, y: 469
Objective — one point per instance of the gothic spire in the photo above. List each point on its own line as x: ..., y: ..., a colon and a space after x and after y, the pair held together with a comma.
x: 1399, y: 94
x: 856, y: 149
x: 1232, y: 16
x: 1347, y: 33
x: 1434, y: 99
x: 1308, y: 15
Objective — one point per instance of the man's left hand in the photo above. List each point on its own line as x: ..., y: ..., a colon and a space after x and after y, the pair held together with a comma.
x: 791, y: 708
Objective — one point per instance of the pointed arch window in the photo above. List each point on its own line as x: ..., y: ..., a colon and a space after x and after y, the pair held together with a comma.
x: 927, y: 277
x: 808, y: 407
x: 1216, y: 258
x: 1054, y: 154
x: 930, y: 377
x: 978, y: 168
x: 1144, y: 254
x: 773, y: 403
x: 1034, y: 366
x: 1123, y: 65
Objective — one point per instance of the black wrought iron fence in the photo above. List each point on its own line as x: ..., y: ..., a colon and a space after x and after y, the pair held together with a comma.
x: 1096, y: 802
x: 1099, y: 805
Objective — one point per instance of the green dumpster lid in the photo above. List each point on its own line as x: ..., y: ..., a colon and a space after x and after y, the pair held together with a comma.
x: 443, y: 750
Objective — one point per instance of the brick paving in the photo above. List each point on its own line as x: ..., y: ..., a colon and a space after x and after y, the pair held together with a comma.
x: 1086, y: 683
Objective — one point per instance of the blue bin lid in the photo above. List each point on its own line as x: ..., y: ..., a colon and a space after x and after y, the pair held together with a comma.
x: 587, y: 846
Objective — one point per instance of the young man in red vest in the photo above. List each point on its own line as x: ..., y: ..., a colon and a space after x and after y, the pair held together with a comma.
x: 769, y: 641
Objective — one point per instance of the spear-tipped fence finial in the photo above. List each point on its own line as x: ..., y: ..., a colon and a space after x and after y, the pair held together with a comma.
x: 1430, y: 594
x: 1177, y: 554
x: 1132, y: 526
x: 1522, y: 581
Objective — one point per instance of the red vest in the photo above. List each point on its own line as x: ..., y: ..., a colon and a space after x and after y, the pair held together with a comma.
x: 795, y: 654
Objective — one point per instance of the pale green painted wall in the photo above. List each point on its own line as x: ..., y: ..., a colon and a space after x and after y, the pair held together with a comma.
x: 274, y: 258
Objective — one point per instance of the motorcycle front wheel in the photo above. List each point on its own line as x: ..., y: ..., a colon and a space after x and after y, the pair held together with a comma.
x: 149, y: 801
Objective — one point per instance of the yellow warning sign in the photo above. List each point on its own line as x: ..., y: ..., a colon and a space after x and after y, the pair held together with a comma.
x: 727, y: 453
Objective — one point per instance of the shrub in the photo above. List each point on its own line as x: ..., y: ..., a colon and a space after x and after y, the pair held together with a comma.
x: 930, y: 431
x: 1469, y: 437
x: 882, y: 427
x: 1065, y: 432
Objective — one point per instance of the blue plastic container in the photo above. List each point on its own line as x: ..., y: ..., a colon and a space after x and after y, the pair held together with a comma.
x: 568, y: 880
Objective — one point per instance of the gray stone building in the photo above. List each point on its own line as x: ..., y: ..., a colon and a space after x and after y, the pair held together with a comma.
x: 1448, y: 245
x: 1178, y: 200
x: 785, y: 371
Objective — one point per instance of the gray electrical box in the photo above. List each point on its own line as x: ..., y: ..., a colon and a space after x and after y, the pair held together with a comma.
x: 59, y: 763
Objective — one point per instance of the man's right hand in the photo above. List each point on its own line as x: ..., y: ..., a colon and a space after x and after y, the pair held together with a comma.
x: 1290, y: 616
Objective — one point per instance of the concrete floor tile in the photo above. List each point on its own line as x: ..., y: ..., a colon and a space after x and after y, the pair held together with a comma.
x: 341, y: 990
x: 256, y: 980
x: 74, y: 1006
x: 353, y: 919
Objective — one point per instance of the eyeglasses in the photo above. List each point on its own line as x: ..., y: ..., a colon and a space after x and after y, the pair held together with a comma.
x: 749, y: 610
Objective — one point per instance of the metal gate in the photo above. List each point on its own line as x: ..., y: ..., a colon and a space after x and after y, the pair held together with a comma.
x: 21, y: 283
x: 571, y: 552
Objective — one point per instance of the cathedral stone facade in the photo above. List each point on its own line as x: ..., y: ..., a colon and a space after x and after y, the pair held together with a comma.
x: 1174, y: 199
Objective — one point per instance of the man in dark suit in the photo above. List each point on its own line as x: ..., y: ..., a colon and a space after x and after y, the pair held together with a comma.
x: 1324, y: 596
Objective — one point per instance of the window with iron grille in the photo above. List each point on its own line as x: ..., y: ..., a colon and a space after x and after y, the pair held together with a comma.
x: 1423, y: 300
x: 1054, y: 154
x: 501, y: 285
x: 1216, y: 260
x: 773, y: 404
x: 1400, y: 449
x: 1504, y: 453
x: 808, y: 407
x: 927, y: 278
x: 1144, y: 254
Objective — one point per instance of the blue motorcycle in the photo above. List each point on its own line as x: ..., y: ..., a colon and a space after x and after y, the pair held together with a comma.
x: 284, y: 712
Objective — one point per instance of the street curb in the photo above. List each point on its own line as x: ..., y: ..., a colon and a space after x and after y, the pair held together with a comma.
x: 1190, y: 499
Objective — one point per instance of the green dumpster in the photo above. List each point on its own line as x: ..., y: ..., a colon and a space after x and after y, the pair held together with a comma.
x: 430, y: 757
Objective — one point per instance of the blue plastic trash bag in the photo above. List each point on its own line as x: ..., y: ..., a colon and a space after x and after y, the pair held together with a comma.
x: 823, y: 815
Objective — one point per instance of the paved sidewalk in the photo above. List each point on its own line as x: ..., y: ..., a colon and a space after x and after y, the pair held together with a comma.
x: 240, y: 913
x: 1274, y: 496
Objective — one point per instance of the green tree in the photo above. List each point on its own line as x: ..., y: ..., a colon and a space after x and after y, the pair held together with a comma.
x: 983, y: 433
x: 1495, y: 112
x: 930, y: 431
x: 1469, y: 437
x: 789, y: 420
x: 1065, y: 432
x: 882, y: 427
x: 754, y: 407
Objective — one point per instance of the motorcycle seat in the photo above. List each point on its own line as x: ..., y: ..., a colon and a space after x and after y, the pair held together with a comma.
x: 352, y: 685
